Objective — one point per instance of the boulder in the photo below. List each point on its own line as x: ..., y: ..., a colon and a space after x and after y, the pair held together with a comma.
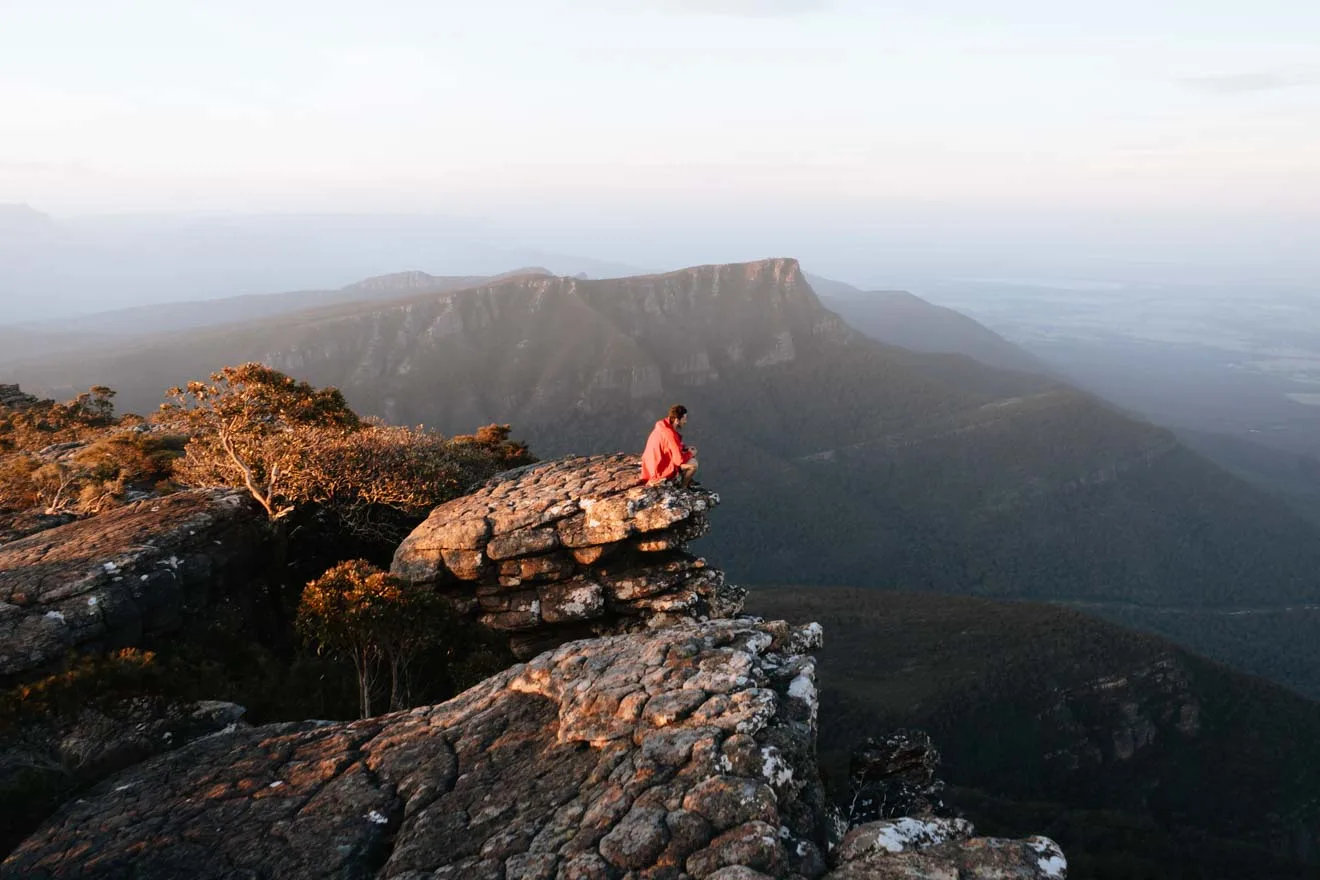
x: 571, y: 547
x: 108, y: 580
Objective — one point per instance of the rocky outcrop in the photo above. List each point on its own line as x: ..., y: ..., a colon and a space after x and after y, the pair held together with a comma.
x: 29, y: 522
x: 106, y: 581
x: 683, y: 751
x: 44, y: 761
x: 568, y: 548
x: 13, y: 397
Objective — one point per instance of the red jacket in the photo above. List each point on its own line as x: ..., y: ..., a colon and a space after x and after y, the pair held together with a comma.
x: 664, y: 452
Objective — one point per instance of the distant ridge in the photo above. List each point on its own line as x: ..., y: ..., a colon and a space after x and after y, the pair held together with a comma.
x: 120, y: 326
x: 897, y: 317
x: 19, y: 222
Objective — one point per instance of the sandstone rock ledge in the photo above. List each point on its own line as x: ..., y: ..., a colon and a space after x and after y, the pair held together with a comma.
x: 570, y: 548
x: 105, y: 581
x: 685, y: 751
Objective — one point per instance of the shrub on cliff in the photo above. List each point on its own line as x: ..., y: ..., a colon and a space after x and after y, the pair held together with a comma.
x: 377, y: 621
x: 290, y: 444
x: 250, y: 427
x: 77, y: 456
x: 45, y: 422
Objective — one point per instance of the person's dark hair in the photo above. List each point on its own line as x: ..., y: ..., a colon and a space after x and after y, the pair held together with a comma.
x: 677, y: 411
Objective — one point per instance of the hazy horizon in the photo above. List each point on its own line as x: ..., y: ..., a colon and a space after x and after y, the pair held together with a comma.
x: 877, y: 144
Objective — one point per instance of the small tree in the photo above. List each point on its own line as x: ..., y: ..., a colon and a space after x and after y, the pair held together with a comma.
x: 381, y: 480
x: 250, y: 427
x: 58, y: 485
x: 355, y: 610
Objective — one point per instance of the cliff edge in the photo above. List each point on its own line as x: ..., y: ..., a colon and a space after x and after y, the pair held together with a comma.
x: 684, y: 751
x: 679, y: 744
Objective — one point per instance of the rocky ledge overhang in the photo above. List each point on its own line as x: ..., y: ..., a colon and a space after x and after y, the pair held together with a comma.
x: 570, y: 548
x: 683, y: 751
x: 105, y: 581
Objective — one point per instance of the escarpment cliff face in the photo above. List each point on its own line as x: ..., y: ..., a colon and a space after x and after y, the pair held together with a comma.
x: 567, y: 548
x: 683, y: 751
x: 106, y: 581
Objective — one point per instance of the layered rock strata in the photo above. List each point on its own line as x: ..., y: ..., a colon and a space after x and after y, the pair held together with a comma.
x: 106, y: 581
x: 684, y: 751
x: 568, y: 548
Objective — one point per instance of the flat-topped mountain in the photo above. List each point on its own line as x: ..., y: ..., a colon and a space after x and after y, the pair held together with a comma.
x: 841, y: 459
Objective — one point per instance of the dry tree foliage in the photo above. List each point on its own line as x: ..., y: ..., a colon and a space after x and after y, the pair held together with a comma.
x: 77, y: 456
x: 250, y: 427
x: 290, y: 444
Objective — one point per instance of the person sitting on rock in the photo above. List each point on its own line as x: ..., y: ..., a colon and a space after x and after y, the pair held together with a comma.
x: 666, y: 458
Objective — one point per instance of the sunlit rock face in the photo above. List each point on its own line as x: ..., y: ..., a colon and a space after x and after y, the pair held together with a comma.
x: 568, y: 548
x: 682, y: 751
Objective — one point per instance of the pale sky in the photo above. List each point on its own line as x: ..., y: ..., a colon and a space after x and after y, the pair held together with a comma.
x: 719, y: 108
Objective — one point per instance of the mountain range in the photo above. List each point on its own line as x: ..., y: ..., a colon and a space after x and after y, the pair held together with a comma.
x: 897, y: 317
x: 841, y: 459
x: 56, y: 268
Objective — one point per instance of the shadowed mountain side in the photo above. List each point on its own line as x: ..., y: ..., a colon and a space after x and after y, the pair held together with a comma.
x: 896, y: 317
x: 1141, y: 760
x: 839, y: 459
x: 1293, y: 476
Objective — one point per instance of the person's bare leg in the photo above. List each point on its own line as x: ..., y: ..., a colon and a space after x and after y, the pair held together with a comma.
x: 689, y: 471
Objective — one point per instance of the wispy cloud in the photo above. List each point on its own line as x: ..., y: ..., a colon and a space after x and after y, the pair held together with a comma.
x: 1254, y: 81
x: 750, y: 8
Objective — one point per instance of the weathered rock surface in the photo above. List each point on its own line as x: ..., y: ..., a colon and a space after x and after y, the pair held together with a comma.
x: 29, y: 522
x: 684, y: 751
x: 681, y: 750
x: 908, y: 849
x: 43, y: 761
x: 568, y: 548
x: 105, y: 581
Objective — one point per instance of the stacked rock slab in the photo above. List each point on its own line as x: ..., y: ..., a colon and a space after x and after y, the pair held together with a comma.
x: 684, y: 751
x: 569, y: 548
